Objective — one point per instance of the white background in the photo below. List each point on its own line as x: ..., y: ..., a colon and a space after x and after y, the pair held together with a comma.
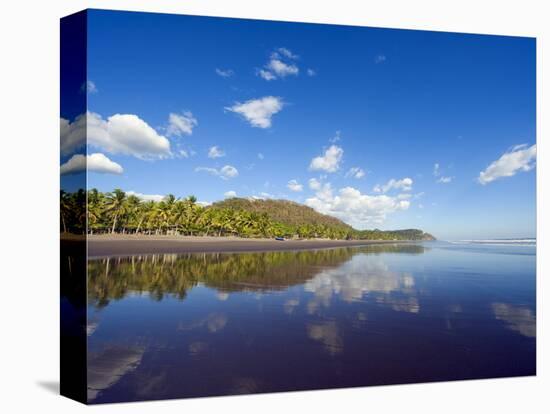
x: 29, y: 148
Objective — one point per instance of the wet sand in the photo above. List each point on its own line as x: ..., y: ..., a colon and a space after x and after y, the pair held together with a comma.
x: 120, y: 245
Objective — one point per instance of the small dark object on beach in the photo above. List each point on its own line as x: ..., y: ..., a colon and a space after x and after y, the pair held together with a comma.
x: 280, y: 238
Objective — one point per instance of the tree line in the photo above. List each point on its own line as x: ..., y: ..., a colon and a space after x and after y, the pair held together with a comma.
x: 118, y: 212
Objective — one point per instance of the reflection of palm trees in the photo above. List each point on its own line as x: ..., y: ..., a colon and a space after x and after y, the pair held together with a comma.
x: 176, y: 274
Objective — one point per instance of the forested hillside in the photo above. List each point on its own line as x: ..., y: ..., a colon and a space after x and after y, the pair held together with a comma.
x: 117, y: 212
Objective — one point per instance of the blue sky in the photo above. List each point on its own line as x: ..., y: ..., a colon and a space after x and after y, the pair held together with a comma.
x: 351, y: 121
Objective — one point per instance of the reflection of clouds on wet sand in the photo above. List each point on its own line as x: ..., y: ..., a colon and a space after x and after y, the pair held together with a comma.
x: 326, y: 333
x: 91, y: 327
x: 407, y: 304
x: 362, y: 275
x: 519, y: 319
x: 108, y: 367
x: 244, y: 385
x: 197, y: 348
x: 213, y: 322
x: 290, y: 305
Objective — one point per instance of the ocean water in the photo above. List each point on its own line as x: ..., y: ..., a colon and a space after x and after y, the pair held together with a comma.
x: 173, y: 326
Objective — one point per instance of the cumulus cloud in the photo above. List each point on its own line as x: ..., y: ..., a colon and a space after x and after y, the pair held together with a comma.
x: 267, y: 75
x: 329, y: 161
x: 355, y: 172
x: 314, y: 184
x: 518, y: 158
x: 181, y: 124
x: 230, y: 194
x: 225, y: 173
x: 294, y: 185
x: 258, y: 112
x: 126, y: 134
x: 402, y: 185
x: 97, y: 162
x: 118, y: 134
x: 215, y: 152
x: 224, y: 73
x: 73, y: 134
x: 282, y: 69
x: 353, y: 207
x: 281, y: 64
x: 146, y: 197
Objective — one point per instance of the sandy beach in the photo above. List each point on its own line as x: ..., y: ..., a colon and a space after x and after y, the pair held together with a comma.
x: 125, y: 245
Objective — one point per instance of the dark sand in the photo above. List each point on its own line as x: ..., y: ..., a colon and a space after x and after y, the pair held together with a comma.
x: 118, y: 245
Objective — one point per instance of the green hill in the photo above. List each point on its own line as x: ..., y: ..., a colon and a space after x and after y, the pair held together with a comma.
x: 297, y: 219
x: 282, y: 211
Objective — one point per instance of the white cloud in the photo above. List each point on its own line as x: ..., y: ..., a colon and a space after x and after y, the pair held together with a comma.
x: 280, y: 65
x: 93, y: 163
x: 519, y: 158
x: 314, y: 184
x: 89, y: 87
x: 258, y: 112
x: 329, y: 162
x: 379, y: 59
x: 225, y: 73
x: 355, y: 172
x: 260, y: 156
x: 436, y: 170
x: 181, y: 124
x: 215, y: 152
x: 146, y: 197
x: 73, y: 134
x: 267, y: 75
x: 183, y: 153
x: 230, y: 194
x: 126, y: 134
x: 311, y: 72
x: 354, y: 208
x: 285, y: 52
x: 445, y: 180
x: 403, y: 185
x: 282, y: 69
x: 224, y: 173
x: 295, y: 186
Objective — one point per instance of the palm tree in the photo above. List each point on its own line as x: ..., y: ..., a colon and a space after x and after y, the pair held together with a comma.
x: 96, y: 202
x: 116, y: 205
x: 65, y: 209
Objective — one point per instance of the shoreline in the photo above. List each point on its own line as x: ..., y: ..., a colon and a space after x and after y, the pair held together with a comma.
x: 100, y: 246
